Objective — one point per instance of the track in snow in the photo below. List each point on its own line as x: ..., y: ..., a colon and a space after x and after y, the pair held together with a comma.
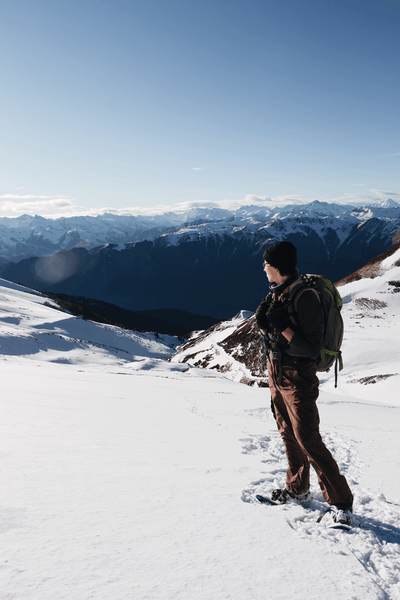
x: 375, y: 543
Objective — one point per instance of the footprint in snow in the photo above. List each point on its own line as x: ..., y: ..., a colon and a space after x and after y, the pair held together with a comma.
x: 375, y: 542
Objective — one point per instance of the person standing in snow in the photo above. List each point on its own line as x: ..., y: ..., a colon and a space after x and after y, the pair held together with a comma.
x: 292, y: 354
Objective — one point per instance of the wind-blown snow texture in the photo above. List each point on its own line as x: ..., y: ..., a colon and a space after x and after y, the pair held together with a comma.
x: 126, y: 476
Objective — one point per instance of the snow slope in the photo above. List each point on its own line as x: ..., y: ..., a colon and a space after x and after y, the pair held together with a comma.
x: 32, y: 327
x: 371, y: 344
x: 125, y: 476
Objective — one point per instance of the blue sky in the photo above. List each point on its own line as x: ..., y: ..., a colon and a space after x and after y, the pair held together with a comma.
x: 120, y: 104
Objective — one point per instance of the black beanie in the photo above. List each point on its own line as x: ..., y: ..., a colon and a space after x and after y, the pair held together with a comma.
x: 282, y: 256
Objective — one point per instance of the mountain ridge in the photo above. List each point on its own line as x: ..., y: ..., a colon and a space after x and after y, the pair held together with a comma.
x: 27, y: 236
x: 205, y: 266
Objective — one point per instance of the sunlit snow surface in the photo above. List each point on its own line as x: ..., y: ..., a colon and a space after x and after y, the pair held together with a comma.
x: 123, y: 476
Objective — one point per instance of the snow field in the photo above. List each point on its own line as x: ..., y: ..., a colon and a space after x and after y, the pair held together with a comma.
x: 141, y: 485
x: 375, y: 540
x: 124, y: 476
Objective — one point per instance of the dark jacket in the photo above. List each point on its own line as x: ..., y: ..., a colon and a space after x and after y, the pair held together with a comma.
x: 307, y: 341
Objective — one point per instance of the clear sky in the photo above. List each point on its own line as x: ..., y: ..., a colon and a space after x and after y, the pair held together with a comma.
x: 137, y: 103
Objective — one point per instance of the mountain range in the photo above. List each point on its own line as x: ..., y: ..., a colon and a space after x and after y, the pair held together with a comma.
x: 205, y: 261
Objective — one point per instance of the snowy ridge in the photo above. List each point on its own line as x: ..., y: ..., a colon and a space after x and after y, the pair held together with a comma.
x: 38, y: 329
x: 124, y: 475
x: 27, y: 236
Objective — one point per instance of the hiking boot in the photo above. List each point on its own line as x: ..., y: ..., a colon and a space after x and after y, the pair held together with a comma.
x: 341, y: 517
x: 283, y: 496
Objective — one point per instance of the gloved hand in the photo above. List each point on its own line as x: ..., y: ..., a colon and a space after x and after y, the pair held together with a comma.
x: 278, y: 318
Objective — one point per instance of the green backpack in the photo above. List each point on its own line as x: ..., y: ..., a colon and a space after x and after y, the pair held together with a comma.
x: 331, y: 303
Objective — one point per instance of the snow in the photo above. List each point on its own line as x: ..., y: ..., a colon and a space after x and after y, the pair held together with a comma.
x: 372, y: 336
x: 39, y: 236
x: 125, y: 476
x: 390, y: 261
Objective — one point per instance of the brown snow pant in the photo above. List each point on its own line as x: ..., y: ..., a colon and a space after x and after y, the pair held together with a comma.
x: 294, y: 397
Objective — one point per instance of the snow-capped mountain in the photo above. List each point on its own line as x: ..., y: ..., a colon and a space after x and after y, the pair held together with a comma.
x: 127, y: 476
x: 210, y: 263
x: 28, y: 236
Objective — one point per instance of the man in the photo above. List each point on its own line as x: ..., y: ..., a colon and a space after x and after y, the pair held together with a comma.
x: 292, y: 353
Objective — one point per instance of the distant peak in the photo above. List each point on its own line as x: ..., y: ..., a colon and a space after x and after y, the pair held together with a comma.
x: 389, y: 203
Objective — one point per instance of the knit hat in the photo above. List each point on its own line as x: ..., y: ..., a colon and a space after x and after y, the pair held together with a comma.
x: 282, y: 256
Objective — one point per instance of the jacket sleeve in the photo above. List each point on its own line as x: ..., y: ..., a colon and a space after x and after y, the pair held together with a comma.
x: 308, y: 338
x: 261, y: 317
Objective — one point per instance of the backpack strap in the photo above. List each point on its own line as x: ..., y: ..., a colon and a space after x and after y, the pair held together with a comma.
x: 338, y: 361
x: 301, y: 291
x: 297, y: 289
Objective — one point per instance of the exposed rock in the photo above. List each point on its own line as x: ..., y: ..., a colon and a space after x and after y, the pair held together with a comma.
x: 245, y: 345
x: 370, y: 303
x: 372, y: 378
x: 234, y: 348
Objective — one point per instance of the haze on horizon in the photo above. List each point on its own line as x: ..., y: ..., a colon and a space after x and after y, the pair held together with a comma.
x: 140, y: 106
